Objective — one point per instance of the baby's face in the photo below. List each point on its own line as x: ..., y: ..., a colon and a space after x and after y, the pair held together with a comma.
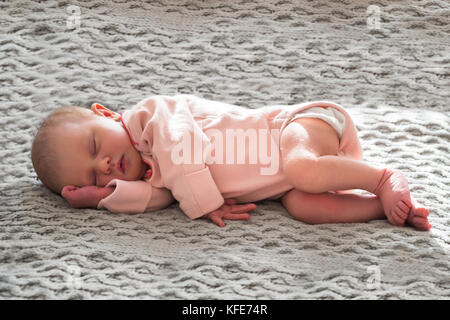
x: 95, y: 151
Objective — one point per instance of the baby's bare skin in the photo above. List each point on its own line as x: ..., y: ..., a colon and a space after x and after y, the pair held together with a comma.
x: 309, y: 147
x: 85, y: 197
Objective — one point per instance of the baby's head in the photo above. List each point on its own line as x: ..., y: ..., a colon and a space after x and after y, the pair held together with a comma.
x: 77, y: 146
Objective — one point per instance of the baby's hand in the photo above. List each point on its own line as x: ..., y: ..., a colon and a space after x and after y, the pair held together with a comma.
x: 85, y: 197
x: 230, y: 211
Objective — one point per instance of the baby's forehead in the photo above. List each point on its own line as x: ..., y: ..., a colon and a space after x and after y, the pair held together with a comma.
x: 66, y: 127
x: 66, y: 130
x: 81, y: 120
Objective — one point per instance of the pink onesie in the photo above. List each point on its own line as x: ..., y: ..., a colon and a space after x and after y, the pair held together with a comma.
x: 202, y: 151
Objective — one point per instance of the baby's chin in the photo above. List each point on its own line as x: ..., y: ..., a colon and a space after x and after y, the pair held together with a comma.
x: 143, y: 170
x: 136, y: 166
x: 134, y: 175
x: 136, y: 172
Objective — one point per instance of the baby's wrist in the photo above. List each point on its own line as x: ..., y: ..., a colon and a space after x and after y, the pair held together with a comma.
x: 104, y: 192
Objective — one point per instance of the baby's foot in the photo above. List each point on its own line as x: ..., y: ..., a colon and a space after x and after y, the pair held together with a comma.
x: 394, y: 195
x: 418, y: 217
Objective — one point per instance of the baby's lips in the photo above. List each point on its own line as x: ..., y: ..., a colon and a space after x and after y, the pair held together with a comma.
x: 118, y: 165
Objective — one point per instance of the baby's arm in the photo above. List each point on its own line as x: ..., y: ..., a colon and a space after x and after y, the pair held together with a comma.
x: 90, y: 196
x: 120, y: 196
x: 85, y: 197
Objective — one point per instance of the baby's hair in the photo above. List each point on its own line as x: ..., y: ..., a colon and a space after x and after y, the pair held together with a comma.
x: 43, y: 155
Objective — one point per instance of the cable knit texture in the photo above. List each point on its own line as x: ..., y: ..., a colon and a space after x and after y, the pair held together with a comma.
x: 386, y: 62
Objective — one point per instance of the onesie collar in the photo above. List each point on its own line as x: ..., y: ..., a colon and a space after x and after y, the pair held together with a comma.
x: 126, y: 129
x: 148, y: 173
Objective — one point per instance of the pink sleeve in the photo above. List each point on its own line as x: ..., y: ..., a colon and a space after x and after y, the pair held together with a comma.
x: 198, y: 193
x: 135, y: 197
x: 160, y: 124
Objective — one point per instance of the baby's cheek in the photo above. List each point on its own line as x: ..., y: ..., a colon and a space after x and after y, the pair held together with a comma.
x: 105, y: 180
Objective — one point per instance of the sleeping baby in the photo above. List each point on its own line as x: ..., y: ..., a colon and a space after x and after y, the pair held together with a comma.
x: 215, y: 159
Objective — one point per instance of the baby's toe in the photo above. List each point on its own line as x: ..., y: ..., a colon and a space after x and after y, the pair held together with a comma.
x: 403, y: 212
x: 403, y: 207
x: 407, y: 202
x: 399, y: 216
x: 421, y: 212
x: 421, y: 223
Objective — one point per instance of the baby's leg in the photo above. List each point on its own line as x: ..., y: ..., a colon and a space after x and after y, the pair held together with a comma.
x: 309, y: 148
x: 319, y: 208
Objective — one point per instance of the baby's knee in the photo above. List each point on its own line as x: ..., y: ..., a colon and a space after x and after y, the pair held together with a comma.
x: 301, y: 171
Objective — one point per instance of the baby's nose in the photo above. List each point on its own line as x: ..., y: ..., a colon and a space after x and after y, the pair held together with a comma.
x: 106, y: 165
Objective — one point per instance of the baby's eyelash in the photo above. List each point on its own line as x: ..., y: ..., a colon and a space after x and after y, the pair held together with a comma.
x: 94, y: 153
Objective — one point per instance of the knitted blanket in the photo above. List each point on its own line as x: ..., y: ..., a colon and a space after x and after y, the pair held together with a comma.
x: 386, y: 62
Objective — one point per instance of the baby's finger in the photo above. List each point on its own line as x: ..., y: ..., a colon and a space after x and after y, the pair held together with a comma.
x: 243, y: 208
x: 230, y: 201
x: 234, y: 216
x: 218, y: 220
x: 68, y: 189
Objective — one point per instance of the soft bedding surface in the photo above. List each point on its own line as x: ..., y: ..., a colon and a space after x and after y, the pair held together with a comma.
x: 387, y: 63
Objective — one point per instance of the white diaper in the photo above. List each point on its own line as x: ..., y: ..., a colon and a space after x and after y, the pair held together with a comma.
x: 332, y: 116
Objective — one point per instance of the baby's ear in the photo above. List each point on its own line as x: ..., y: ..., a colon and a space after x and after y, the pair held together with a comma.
x: 102, y: 111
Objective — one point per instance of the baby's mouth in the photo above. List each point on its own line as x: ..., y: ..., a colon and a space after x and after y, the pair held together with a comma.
x: 121, y: 164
